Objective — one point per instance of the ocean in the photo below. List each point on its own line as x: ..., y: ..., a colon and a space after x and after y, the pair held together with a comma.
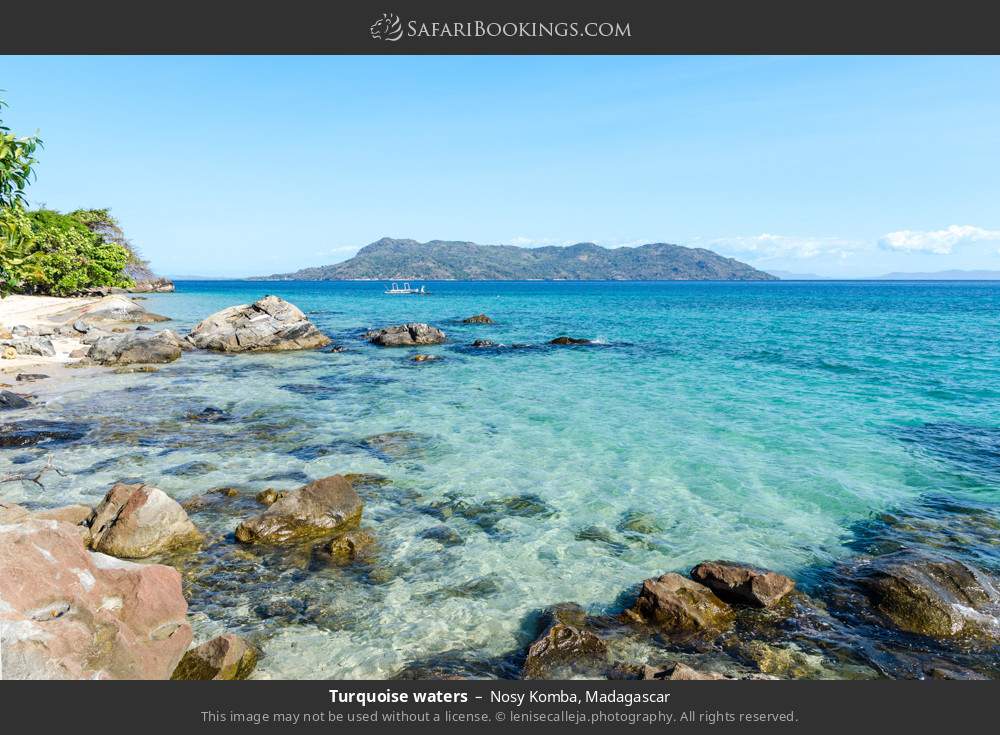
x: 769, y: 423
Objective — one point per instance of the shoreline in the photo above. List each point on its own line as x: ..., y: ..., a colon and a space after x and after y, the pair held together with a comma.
x: 770, y: 645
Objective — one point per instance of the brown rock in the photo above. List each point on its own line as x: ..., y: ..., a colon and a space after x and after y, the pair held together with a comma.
x: 677, y: 604
x: 477, y: 319
x: 224, y: 658
x: 569, y: 341
x: 270, y: 495
x: 135, y: 521
x: 742, y: 584
x: 929, y: 595
x: 72, y: 614
x: 321, y: 508
x: 350, y: 546
x: 565, y: 646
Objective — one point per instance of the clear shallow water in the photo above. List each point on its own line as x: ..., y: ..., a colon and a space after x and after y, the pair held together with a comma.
x: 755, y: 421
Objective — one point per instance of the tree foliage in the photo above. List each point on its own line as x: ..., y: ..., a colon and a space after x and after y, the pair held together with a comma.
x: 44, y: 251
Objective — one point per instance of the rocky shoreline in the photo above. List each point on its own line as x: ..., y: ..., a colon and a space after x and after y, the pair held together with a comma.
x: 118, y: 577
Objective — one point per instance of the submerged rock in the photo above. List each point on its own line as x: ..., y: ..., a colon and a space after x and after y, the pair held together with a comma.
x: 564, y: 340
x: 397, y: 444
x: 34, y: 432
x: 406, y: 335
x: 224, y: 658
x: 73, y: 614
x: 350, y: 546
x: 742, y: 584
x: 482, y: 343
x: 930, y: 595
x: 565, y: 646
x: 477, y: 319
x: 10, y: 401
x: 443, y: 535
x: 136, y: 521
x: 268, y: 325
x: 677, y: 604
x: 424, y: 358
x: 641, y: 522
x: 321, y: 508
x: 136, y: 347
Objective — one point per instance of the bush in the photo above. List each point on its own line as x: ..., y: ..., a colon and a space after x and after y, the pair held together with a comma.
x: 60, y: 255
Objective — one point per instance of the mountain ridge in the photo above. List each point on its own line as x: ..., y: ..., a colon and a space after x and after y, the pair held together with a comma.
x: 399, y: 259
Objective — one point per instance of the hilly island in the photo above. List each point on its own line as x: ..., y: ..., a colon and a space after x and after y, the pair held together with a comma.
x: 440, y: 260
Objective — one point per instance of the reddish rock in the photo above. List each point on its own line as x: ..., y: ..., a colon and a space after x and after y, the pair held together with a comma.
x: 677, y: 604
x: 743, y: 584
x: 67, y: 613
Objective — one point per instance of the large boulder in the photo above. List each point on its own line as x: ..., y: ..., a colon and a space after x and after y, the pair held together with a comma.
x: 224, y: 658
x: 742, y: 584
x: 68, y: 613
x: 406, y: 335
x: 267, y: 325
x: 135, y: 521
x: 565, y: 646
x: 136, y: 347
x: 325, y: 507
x: 676, y: 604
x: 931, y: 595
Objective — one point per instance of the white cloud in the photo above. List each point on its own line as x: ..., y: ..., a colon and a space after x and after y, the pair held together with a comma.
x: 769, y: 246
x: 941, y: 242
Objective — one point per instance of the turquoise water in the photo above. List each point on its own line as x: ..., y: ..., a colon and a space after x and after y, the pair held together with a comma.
x: 753, y: 421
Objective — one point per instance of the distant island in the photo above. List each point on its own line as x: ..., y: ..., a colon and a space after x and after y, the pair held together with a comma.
x: 439, y: 260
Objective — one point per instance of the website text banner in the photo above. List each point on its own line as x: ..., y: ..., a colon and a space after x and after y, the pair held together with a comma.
x: 207, y: 707
x: 512, y: 27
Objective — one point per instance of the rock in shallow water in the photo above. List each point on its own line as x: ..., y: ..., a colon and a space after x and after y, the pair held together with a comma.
x: 565, y: 646
x: 136, y: 521
x: 477, y: 319
x: 136, y: 347
x: 11, y: 401
x: 742, y: 584
x: 931, y: 595
x: 677, y: 604
x: 569, y: 341
x: 224, y: 658
x: 73, y: 614
x: 268, y: 325
x: 321, y: 508
x: 406, y: 335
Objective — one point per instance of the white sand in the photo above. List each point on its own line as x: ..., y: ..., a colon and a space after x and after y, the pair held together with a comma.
x: 42, y: 311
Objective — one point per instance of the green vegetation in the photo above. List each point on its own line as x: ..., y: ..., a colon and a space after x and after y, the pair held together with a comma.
x: 390, y: 259
x: 44, y: 251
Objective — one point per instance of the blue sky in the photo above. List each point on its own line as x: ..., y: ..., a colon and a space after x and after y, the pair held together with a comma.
x: 241, y: 166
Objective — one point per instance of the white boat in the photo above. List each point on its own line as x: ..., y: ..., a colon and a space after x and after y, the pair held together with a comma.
x: 395, y: 290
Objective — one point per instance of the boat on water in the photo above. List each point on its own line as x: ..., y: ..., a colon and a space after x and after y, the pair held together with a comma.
x: 406, y: 290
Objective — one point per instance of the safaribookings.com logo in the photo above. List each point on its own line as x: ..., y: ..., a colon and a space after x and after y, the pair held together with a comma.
x: 390, y: 28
